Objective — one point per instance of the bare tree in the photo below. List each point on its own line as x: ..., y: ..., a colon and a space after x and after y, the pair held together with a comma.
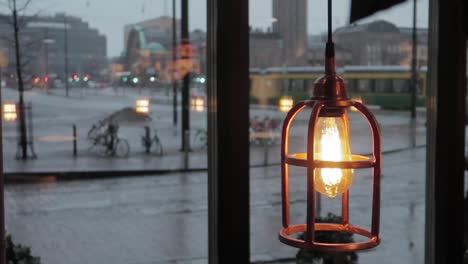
x: 18, y: 21
x: 28, y: 49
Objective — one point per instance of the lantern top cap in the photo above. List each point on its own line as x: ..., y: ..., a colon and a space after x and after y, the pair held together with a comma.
x: 330, y: 86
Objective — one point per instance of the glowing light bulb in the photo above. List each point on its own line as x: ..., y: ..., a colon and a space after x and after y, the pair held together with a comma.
x: 332, y: 144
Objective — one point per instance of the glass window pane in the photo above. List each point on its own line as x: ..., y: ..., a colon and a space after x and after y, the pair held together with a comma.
x: 374, y: 57
x: 101, y: 180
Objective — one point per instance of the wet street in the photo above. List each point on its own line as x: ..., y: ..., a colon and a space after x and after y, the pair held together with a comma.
x: 163, y: 219
x: 54, y: 116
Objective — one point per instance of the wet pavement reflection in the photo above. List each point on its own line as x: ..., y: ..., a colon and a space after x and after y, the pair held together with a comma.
x: 163, y: 219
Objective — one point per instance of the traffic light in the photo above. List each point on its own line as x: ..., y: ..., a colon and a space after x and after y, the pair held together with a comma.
x: 199, y: 79
x: 75, y: 77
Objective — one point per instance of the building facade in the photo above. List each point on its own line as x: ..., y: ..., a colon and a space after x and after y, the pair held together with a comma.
x: 46, y: 42
x: 285, y: 42
x: 149, y: 50
x: 290, y: 23
x: 375, y: 43
x: 265, y: 49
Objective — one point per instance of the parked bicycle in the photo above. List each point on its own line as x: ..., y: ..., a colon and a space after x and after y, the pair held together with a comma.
x: 264, y: 132
x: 151, y: 143
x: 104, y: 139
x: 200, y: 138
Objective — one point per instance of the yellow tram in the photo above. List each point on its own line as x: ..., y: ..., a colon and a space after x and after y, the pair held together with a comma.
x: 388, y: 86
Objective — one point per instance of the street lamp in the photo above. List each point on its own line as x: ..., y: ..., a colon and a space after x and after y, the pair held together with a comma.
x: 329, y: 162
x: 142, y: 106
x: 285, y: 103
x: 174, y: 58
x: 198, y: 103
x: 47, y: 41
x: 9, y: 112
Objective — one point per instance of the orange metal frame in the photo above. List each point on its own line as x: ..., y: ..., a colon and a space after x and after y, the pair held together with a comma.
x: 288, y: 231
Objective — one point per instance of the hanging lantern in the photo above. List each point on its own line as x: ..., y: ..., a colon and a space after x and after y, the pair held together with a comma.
x: 330, y: 165
x: 329, y: 162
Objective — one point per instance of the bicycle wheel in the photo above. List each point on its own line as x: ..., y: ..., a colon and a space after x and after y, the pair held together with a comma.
x: 270, y: 140
x: 203, y: 139
x: 91, y: 133
x: 200, y: 139
x: 121, y: 148
x: 100, y: 145
x: 157, y: 147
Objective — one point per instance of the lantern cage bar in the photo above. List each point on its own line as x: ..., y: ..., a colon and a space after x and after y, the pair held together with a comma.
x: 323, y: 106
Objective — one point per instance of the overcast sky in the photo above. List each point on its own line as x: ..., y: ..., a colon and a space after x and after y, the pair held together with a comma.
x: 110, y: 16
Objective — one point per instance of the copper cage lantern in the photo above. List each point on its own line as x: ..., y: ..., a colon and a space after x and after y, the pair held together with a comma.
x: 329, y: 100
x: 329, y: 162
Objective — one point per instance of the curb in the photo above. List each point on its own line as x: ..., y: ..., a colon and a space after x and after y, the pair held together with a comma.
x: 44, y: 176
x: 29, y: 177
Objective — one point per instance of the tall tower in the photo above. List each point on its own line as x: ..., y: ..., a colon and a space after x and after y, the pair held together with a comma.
x: 290, y: 22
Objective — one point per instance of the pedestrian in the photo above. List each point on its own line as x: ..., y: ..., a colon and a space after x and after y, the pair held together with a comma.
x: 111, y: 136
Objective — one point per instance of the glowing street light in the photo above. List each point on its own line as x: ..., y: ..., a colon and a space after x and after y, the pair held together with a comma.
x: 9, y: 112
x: 198, y: 103
x: 285, y: 103
x: 142, y: 106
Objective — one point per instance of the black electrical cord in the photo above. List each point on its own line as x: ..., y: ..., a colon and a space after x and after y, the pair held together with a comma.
x: 330, y: 21
x: 330, y: 48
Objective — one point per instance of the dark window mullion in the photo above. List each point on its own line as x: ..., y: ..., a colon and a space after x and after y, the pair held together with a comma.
x: 228, y: 120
